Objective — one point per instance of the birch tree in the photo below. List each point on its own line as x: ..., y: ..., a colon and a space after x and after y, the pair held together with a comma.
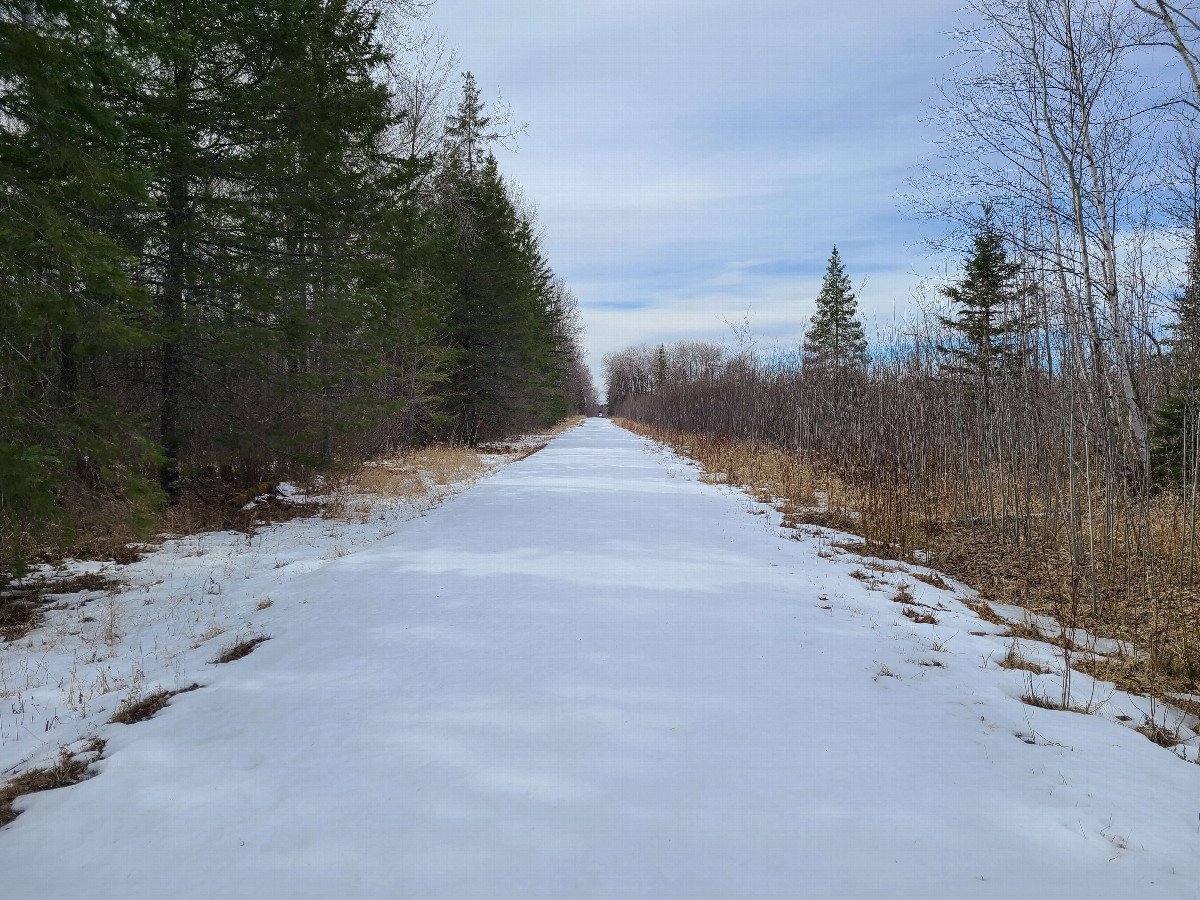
x: 1048, y: 119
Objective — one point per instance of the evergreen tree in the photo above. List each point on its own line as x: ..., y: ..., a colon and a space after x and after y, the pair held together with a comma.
x: 212, y: 264
x: 508, y: 359
x: 66, y: 300
x: 1175, y: 423
x: 467, y: 137
x: 982, y: 300
x: 835, y: 336
x: 259, y: 124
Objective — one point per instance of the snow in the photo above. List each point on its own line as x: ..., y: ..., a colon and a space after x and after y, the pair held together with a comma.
x: 594, y: 675
x: 186, y: 599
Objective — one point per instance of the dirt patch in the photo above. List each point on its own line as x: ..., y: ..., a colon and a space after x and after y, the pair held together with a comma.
x: 239, y: 650
x: 21, y: 605
x: 67, y: 770
x: 142, y: 708
x: 1014, y: 660
x: 921, y: 618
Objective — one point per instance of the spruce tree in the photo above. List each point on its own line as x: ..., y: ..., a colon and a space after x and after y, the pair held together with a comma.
x: 1173, y: 423
x: 260, y: 124
x: 507, y: 364
x: 660, y: 367
x: 981, y: 302
x: 467, y: 134
x: 67, y: 304
x: 835, y: 336
x: 210, y: 257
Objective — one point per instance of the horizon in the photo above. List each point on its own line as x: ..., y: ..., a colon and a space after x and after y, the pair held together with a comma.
x: 678, y: 202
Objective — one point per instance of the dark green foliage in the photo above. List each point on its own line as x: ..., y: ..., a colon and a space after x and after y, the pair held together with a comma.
x: 506, y: 323
x: 981, y: 304
x: 1175, y: 422
x: 660, y: 366
x: 835, y: 336
x: 67, y: 302
x: 213, y: 264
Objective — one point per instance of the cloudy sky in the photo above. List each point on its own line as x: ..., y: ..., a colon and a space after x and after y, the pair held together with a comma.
x: 693, y: 161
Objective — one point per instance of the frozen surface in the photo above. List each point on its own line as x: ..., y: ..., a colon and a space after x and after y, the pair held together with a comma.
x: 591, y: 676
x: 174, y: 609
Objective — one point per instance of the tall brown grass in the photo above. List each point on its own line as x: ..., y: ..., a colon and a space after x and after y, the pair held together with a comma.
x: 1022, y: 495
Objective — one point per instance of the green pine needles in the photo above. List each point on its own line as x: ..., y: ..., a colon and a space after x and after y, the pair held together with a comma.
x: 981, y: 303
x: 1175, y: 422
x: 835, y: 335
x: 220, y: 261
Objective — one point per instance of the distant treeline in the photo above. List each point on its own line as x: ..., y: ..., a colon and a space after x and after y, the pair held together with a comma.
x: 239, y: 238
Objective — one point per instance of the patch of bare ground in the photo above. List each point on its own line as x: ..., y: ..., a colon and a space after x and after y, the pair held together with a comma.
x: 21, y: 603
x: 239, y: 650
x: 519, y: 451
x: 1014, y: 660
x: 1034, y: 697
x: 984, y: 610
x: 138, y: 709
x: 921, y: 618
x: 68, y: 769
x: 1160, y: 734
x: 931, y: 578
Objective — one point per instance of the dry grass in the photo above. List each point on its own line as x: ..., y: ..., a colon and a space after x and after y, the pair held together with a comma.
x: 1032, y: 697
x: 1160, y: 734
x: 409, y: 477
x: 138, y: 709
x: 67, y: 770
x: 1014, y: 660
x: 872, y: 549
x: 1041, y: 701
x: 18, y: 619
x: 21, y: 607
x: 921, y: 618
x: 984, y: 610
x: 239, y: 650
x: 1154, y: 614
x: 932, y: 579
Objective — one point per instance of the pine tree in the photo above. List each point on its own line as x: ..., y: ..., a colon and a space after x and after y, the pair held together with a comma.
x: 211, y: 260
x: 259, y: 123
x: 982, y: 300
x: 467, y: 136
x: 1175, y: 423
x: 835, y: 336
x: 67, y: 304
x: 508, y: 365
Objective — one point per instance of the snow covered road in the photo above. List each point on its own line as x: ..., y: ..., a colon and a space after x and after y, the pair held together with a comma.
x: 594, y: 676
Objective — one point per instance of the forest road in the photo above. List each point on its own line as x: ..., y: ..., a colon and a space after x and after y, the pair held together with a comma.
x: 593, y: 675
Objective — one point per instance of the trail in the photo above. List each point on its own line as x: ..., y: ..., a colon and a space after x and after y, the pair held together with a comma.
x: 594, y: 676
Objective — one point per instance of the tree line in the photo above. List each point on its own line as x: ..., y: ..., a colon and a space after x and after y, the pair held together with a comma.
x: 241, y: 238
x: 1048, y: 403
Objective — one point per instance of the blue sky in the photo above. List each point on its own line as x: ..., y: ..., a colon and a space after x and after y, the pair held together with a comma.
x: 692, y: 162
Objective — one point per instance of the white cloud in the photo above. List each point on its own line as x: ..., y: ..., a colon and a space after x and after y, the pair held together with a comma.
x: 692, y: 159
